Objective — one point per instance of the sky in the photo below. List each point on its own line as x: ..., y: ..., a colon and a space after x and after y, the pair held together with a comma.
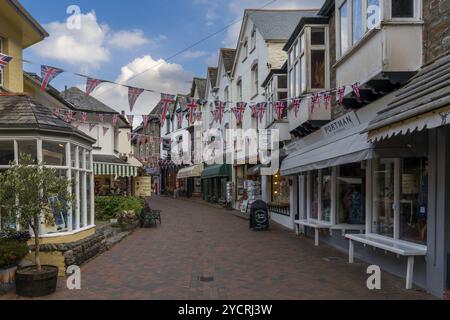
x: 117, y: 40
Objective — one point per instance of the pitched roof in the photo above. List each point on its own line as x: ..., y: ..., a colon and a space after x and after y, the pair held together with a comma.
x: 212, y: 75
x: 200, y: 85
x: 228, y: 56
x: 427, y: 91
x: 82, y: 102
x: 20, y: 111
x: 104, y: 158
x: 277, y: 24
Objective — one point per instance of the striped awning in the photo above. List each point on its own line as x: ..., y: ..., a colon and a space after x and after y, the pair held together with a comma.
x: 118, y: 170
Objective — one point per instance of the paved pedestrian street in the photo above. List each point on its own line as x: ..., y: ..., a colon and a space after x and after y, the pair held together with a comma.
x: 201, y: 252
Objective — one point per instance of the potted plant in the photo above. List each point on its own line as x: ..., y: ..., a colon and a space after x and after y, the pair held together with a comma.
x: 30, y: 188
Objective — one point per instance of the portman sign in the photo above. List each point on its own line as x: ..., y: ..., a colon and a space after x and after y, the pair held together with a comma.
x: 348, y: 121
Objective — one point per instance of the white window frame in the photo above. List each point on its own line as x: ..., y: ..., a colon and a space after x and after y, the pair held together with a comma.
x: 418, y: 7
x: 255, y: 79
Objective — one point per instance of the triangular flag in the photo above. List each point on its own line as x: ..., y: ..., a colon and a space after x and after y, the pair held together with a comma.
x: 101, y: 118
x: 220, y: 109
x: 92, y: 84
x: 91, y: 126
x: 4, y: 60
x: 48, y: 74
x: 130, y: 119
x: 145, y: 120
x: 340, y: 95
x: 105, y: 130
x: 84, y: 117
x: 296, y: 106
x: 69, y: 116
x: 57, y: 112
x: 133, y: 95
x: 166, y: 100
x: 115, y: 119
x: 192, y: 106
x: 261, y: 109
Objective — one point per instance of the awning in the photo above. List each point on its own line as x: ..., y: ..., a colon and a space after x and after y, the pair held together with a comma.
x: 190, y: 172
x: 112, y: 169
x: 217, y: 171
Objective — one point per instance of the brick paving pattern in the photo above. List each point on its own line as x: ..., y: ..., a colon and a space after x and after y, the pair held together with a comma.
x: 198, y: 242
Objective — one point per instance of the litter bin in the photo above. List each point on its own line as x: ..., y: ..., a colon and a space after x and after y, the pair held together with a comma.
x: 259, y: 216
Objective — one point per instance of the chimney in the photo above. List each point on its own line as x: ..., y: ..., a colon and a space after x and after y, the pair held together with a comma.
x: 123, y: 112
x: 65, y: 92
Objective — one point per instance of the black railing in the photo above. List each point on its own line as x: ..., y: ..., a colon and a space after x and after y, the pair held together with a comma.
x: 281, y: 209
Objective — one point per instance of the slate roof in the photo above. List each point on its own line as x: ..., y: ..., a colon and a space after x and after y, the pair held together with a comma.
x: 20, y: 111
x: 104, y: 158
x: 200, y: 84
x: 82, y: 102
x: 228, y: 56
x: 212, y: 74
x: 427, y: 91
x: 277, y: 24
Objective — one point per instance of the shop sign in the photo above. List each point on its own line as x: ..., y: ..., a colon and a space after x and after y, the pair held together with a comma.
x: 346, y: 122
x: 143, y: 186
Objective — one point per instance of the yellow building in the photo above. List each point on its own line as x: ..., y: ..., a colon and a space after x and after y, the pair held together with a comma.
x: 18, y: 31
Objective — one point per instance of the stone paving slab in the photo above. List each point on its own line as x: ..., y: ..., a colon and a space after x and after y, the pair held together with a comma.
x: 197, y: 242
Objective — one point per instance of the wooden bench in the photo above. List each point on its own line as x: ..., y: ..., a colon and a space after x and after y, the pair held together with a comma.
x: 316, y: 225
x: 399, y: 247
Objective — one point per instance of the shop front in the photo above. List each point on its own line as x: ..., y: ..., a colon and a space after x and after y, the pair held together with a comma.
x: 190, y: 182
x: 214, y: 183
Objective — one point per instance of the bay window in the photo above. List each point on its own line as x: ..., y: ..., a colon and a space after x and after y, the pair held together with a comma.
x: 343, y: 27
x: 357, y: 21
x: 402, y: 8
x: 6, y: 152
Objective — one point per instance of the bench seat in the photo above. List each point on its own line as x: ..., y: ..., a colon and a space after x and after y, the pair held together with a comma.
x: 316, y: 225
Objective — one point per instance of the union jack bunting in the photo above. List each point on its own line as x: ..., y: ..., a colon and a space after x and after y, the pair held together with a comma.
x: 115, y: 119
x: 145, y: 120
x: 327, y: 99
x: 69, y: 116
x: 297, y: 106
x: 92, y: 84
x: 179, y: 119
x: 84, y: 117
x: 105, y: 130
x: 101, y: 118
x: 261, y: 109
x: 130, y: 119
x: 133, y: 95
x: 192, y: 106
x: 4, y: 60
x: 315, y: 100
x: 280, y: 107
x: 77, y: 123
x: 220, y: 110
x: 254, y: 110
x: 57, y: 112
x: 91, y: 127
x: 340, y: 95
x: 239, y: 111
x: 166, y: 100
x: 356, y: 91
x: 48, y: 74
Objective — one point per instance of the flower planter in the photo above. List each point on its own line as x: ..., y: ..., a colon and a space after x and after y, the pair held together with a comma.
x: 7, y: 279
x: 32, y: 284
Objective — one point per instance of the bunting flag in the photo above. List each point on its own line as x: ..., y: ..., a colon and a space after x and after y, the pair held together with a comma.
x: 84, y: 117
x: 145, y: 120
x: 91, y: 127
x: 69, y: 116
x: 130, y: 119
x: 192, y: 106
x: 57, y: 112
x: 101, y: 118
x: 261, y: 109
x: 356, y: 91
x: 327, y: 99
x: 239, y: 111
x: 133, y: 95
x: 48, y: 74
x: 297, y: 106
x: 4, y: 60
x: 254, y: 110
x: 105, y: 130
x: 179, y: 119
x: 77, y: 123
x: 166, y: 100
x: 92, y: 84
x: 280, y: 107
x: 340, y: 95
x: 115, y: 119
x: 220, y: 109
x: 315, y: 100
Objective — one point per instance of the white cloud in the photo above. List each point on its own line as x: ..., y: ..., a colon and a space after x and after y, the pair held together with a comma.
x: 161, y: 77
x: 91, y: 44
x: 127, y: 39
x: 213, y: 60
x: 194, y: 54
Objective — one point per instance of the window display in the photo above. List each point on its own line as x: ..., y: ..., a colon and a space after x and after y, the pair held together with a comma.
x: 315, y: 183
x: 351, y: 204
x: 383, y: 197
x: 280, y: 190
x: 326, y: 194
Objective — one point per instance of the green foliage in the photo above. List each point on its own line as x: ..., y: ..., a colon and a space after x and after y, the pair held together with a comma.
x: 112, y: 207
x: 11, y: 253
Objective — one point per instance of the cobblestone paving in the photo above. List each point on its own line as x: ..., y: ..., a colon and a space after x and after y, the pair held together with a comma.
x: 197, y: 242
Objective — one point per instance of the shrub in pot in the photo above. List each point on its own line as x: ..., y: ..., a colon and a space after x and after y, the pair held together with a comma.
x: 27, y: 188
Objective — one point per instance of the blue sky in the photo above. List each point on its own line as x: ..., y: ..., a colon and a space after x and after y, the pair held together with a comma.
x: 119, y: 39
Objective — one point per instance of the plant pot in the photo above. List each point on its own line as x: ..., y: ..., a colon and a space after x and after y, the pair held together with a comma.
x: 7, y: 278
x: 32, y: 284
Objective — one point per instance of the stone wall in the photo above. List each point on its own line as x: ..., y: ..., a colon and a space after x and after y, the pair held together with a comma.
x: 436, y: 34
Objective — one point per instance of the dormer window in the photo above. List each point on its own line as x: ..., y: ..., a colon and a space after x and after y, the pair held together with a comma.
x: 308, y: 58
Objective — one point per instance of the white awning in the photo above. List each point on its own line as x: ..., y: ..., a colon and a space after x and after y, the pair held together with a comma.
x: 114, y: 169
x: 190, y: 172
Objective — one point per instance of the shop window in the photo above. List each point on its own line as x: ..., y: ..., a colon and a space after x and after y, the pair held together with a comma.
x: 6, y: 152
x: 351, y: 205
x: 315, y: 187
x: 402, y: 8
x: 73, y: 153
x: 326, y: 177
x: 414, y: 200
x: 28, y: 148
x: 54, y: 153
x: 280, y: 190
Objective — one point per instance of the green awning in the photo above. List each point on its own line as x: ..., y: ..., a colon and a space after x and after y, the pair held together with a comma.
x: 111, y: 169
x: 217, y: 171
